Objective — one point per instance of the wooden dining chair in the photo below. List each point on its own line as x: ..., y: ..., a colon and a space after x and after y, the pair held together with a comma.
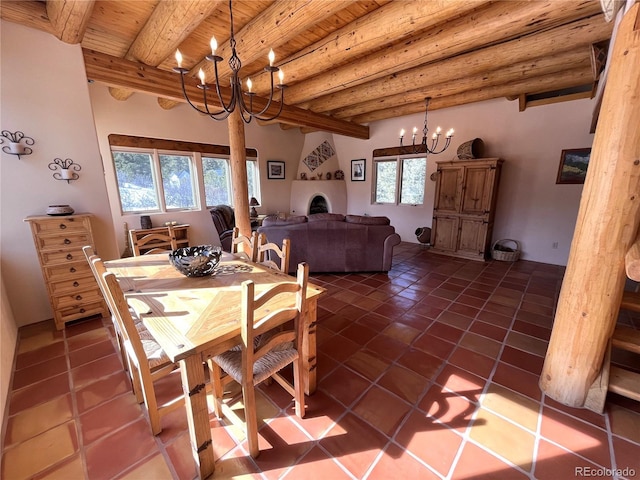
x: 265, y: 349
x: 268, y: 252
x: 244, y: 246
x: 160, y: 240
x: 146, y: 360
x: 90, y: 256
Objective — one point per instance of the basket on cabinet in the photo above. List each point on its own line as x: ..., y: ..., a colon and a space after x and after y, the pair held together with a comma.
x: 500, y: 250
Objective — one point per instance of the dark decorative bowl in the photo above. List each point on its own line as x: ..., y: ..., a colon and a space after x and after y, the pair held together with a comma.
x: 198, y: 261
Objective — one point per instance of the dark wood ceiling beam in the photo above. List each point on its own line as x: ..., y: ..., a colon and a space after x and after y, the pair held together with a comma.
x: 278, y: 24
x: 117, y: 72
x: 577, y: 58
x: 496, y: 23
x: 578, y: 34
x: 565, y: 79
x: 390, y: 23
x: 69, y: 18
x: 169, y: 24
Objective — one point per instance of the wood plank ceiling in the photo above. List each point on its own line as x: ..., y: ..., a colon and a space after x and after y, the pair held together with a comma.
x: 346, y: 62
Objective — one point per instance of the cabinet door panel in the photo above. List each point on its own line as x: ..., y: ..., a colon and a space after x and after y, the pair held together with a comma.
x: 478, y: 185
x: 472, y: 236
x: 445, y: 233
x: 448, y: 190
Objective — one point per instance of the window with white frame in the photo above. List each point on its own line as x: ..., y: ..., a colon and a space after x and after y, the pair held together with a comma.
x: 154, y: 181
x: 217, y: 180
x: 399, y: 180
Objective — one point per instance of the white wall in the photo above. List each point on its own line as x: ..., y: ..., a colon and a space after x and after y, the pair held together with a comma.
x: 531, y: 207
x: 45, y: 95
x: 141, y: 116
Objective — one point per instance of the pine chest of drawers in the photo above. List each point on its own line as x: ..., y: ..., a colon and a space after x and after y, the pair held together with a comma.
x: 73, y: 291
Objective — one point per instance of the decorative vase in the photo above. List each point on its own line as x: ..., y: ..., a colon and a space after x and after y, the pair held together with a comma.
x: 145, y: 222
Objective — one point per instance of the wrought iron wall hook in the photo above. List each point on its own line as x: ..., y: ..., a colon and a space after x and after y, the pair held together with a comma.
x: 67, y: 168
x: 15, y: 146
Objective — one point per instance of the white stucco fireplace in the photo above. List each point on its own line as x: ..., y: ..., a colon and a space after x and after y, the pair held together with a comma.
x: 303, y: 192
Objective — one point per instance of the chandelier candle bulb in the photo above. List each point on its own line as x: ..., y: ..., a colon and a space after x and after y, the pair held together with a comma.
x: 179, y: 58
x: 272, y: 57
x: 214, y: 45
x: 281, y: 77
x: 413, y: 137
x: 202, y: 77
x: 249, y: 85
x: 401, y: 136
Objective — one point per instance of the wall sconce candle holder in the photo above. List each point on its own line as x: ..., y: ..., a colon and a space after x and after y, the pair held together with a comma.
x: 67, y: 168
x: 16, y: 147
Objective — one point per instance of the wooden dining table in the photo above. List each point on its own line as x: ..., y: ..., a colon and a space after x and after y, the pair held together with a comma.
x: 195, y: 318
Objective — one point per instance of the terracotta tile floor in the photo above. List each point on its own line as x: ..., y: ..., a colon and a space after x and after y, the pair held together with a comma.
x: 429, y: 372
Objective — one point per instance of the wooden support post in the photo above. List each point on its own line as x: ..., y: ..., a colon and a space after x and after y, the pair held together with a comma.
x: 607, y: 223
x: 239, y: 172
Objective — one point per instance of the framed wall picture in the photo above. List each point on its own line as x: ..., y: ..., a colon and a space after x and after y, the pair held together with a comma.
x: 358, y: 170
x: 573, y: 165
x: 275, y: 170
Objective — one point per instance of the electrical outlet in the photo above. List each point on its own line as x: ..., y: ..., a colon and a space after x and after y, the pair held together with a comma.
x: 554, y: 245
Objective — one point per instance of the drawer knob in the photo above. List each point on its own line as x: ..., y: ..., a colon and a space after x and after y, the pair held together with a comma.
x: 76, y: 284
x: 82, y: 310
x: 67, y: 241
x: 72, y: 269
x: 78, y: 297
x: 69, y: 256
x: 62, y: 226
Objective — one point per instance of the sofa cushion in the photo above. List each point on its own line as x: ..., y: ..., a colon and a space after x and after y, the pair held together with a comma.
x: 289, y: 220
x: 318, y: 217
x: 367, y: 220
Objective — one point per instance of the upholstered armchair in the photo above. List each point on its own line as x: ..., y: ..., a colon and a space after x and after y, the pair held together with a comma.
x: 224, y: 220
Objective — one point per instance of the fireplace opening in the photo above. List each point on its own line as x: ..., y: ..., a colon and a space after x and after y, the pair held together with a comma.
x: 318, y: 205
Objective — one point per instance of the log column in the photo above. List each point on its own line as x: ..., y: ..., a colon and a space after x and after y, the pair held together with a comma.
x: 239, y: 172
x: 606, y: 227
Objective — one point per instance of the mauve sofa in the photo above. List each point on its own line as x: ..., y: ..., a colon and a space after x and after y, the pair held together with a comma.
x: 331, y: 242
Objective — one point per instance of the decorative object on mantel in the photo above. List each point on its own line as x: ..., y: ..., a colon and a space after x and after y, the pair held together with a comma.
x: 253, y: 203
x: 303, y: 176
x: 67, y: 168
x: 435, y: 139
x: 338, y: 175
x: 471, y: 149
x: 59, y: 210
x: 319, y: 155
x: 15, y: 146
x: 328, y: 176
x: 320, y: 175
x: 236, y: 98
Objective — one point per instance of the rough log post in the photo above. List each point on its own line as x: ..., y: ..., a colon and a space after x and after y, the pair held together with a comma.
x: 606, y: 227
x: 239, y: 172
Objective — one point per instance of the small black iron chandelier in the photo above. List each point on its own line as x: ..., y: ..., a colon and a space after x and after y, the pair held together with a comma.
x: 435, y: 138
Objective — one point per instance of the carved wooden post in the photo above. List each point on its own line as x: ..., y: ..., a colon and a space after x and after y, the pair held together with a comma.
x: 239, y: 172
x: 606, y: 227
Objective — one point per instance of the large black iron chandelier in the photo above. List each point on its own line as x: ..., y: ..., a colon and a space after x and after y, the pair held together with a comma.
x: 435, y: 138
x: 237, y: 95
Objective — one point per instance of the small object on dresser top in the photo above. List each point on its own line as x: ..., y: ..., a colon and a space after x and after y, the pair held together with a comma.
x: 197, y: 261
x: 59, y: 210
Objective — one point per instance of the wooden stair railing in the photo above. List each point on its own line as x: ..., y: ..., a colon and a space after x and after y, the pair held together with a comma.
x: 624, y: 381
x: 617, y: 378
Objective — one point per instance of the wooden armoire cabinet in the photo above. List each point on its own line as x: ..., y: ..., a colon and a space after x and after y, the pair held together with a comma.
x: 73, y: 290
x: 464, y: 207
